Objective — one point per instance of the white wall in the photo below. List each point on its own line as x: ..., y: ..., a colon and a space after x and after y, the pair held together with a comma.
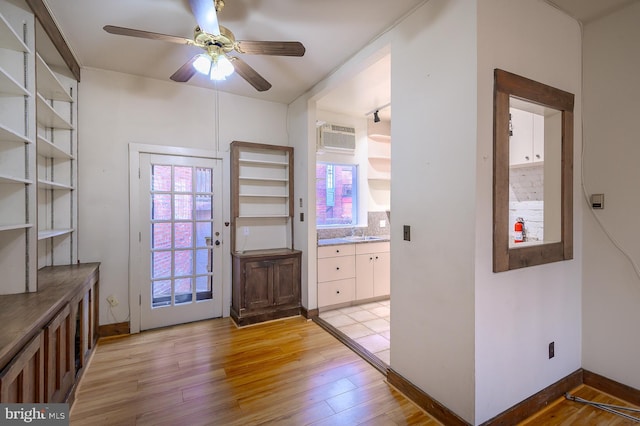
x: 434, y: 85
x: 118, y: 109
x: 611, y: 289
x: 517, y: 313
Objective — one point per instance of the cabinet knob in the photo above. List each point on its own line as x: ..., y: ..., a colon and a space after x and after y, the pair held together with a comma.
x: 337, y: 251
x: 371, y: 258
x: 376, y: 257
x: 337, y: 291
x: 538, y: 156
x: 337, y: 268
x: 526, y: 157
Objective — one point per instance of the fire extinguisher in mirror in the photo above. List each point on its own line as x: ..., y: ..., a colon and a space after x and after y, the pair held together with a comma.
x: 519, y: 232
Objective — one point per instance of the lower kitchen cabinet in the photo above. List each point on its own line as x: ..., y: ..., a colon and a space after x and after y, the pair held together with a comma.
x: 265, y: 285
x: 373, y: 270
x: 22, y: 380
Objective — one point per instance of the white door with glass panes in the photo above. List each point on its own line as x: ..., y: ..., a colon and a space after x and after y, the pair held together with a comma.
x: 181, y: 235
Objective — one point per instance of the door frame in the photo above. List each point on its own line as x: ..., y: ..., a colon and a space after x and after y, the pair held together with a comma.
x: 135, y: 254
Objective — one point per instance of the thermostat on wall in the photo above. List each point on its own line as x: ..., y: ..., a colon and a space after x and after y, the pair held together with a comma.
x: 597, y: 201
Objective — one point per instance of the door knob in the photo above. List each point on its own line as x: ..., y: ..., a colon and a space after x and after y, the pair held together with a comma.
x: 217, y: 242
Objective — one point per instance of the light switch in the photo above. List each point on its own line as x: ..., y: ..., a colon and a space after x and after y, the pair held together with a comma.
x: 597, y: 201
x: 406, y: 230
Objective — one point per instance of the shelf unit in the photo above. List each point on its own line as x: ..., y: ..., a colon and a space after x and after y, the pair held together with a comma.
x: 379, y: 164
x: 262, y: 206
x: 265, y: 267
x: 17, y: 150
x: 56, y: 110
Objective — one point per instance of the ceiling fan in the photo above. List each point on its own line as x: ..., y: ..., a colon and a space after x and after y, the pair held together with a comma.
x: 217, y: 42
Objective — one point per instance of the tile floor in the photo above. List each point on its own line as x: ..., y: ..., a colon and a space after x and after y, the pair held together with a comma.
x: 367, y: 324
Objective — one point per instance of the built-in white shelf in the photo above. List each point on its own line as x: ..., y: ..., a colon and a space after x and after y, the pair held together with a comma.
x: 9, y: 39
x: 48, y: 149
x: 9, y: 135
x: 47, y: 184
x: 263, y: 196
x: 263, y: 179
x: 49, y: 117
x: 14, y: 227
x: 10, y: 87
x: 263, y: 216
x: 48, y: 84
x: 13, y: 179
x: 50, y: 233
x: 263, y: 162
x: 380, y: 138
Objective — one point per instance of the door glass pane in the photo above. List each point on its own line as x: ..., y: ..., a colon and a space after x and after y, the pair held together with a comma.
x: 161, y: 265
x: 203, y: 261
x: 161, y: 293
x: 183, y: 234
x: 183, y: 207
x: 183, y: 179
x: 161, y: 235
x: 161, y: 207
x: 203, y: 179
x: 204, y: 204
x: 184, y: 262
x: 184, y: 290
x: 203, y: 234
x: 160, y: 178
x: 203, y: 283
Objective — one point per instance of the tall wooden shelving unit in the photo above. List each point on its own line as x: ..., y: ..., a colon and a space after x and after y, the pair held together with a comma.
x: 266, y: 267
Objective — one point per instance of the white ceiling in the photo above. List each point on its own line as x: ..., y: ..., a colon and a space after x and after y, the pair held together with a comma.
x: 331, y: 30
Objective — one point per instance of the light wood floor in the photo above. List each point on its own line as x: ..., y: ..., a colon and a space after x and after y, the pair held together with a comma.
x: 569, y: 413
x: 288, y: 372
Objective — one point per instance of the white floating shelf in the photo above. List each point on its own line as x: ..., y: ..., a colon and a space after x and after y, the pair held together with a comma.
x: 263, y: 179
x: 48, y: 84
x: 380, y: 138
x: 13, y: 179
x: 9, y: 135
x: 10, y: 87
x: 49, y: 117
x: 263, y: 196
x: 47, y: 184
x: 50, y: 233
x: 264, y: 216
x: 14, y: 227
x: 9, y: 39
x: 48, y: 149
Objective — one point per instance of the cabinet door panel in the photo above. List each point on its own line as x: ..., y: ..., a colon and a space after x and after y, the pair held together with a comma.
x: 59, y: 350
x: 286, y: 281
x: 382, y: 274
x: 364, y: 276
x: 259, y: 285
x: 23, y: 380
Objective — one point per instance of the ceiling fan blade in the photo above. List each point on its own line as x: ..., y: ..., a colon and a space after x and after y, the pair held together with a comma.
x: 111, y: 29
x: 185, y: 72
x: 277, y: 48
x: 249, y: 74
x: 206, y: 15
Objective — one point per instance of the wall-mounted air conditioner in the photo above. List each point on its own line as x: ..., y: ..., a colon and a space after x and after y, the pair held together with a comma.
x: 333, y: 137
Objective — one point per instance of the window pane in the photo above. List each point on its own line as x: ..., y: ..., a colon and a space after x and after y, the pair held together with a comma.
x: 183, y: 180
x: 183, y: 207
x: 203, y: 234
x: 203, y: 261
x: 161, y: 293
x: 160, y: 178
x: 161, y: 264
x: 161, y: 235
x: 184, y: 262
x: 161, y: 207
x: 203, y: 207
x: 183, y: 291
x: 336, y: 194
x: 183, y: 234
x: 203, y: 180
x: 203, y: 284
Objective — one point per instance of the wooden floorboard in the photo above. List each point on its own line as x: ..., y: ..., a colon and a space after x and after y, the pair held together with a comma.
x: 286, y: 372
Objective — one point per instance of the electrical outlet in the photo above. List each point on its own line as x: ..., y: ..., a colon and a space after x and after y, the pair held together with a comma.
x: 552, y: 349
x: 112, y: 301
x: 383, y: 223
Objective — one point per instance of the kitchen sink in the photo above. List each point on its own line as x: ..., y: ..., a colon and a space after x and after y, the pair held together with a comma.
x: 363, y: 238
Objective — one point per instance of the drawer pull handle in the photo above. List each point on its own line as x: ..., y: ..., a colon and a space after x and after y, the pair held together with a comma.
x: 337, y: 251
x: 337, y: 291
x: 337, y: 268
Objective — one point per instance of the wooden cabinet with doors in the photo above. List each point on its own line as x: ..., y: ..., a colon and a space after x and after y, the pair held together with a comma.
x: 266, y: 267
x: 266, y: 285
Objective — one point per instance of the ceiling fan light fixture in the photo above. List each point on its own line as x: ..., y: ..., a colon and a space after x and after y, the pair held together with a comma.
x: 221, y: 68
x: 203, y: 64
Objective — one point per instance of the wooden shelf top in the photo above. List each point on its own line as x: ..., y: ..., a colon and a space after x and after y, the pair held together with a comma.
x: 23, y: 315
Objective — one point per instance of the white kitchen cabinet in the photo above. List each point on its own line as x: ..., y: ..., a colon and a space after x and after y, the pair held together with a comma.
x: 373, y: 270
x: 336, y: 274
x: 526, y: 144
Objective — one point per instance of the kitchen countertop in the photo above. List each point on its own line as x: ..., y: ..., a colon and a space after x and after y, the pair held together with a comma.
x: 353, y: 240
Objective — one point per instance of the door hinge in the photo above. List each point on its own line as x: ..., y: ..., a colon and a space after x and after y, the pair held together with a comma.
x: 138, y: 173
x: 139, y: 300
x: 139, y: 237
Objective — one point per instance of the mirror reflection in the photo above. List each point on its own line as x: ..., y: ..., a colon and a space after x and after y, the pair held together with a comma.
x: 535, y: 152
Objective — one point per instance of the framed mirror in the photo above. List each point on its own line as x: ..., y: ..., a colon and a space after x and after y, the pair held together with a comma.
x: 532, y: 173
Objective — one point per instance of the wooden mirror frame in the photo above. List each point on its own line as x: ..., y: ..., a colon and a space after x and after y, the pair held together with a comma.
x: 508, y: 85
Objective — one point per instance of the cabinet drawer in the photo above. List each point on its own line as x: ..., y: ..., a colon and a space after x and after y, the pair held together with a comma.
x: 335, y: 292
x: 336, y: 268
x: 373, y: 247
x: 339, y: 250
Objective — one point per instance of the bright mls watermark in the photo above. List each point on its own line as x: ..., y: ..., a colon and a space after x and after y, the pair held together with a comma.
x: 34, y: 414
